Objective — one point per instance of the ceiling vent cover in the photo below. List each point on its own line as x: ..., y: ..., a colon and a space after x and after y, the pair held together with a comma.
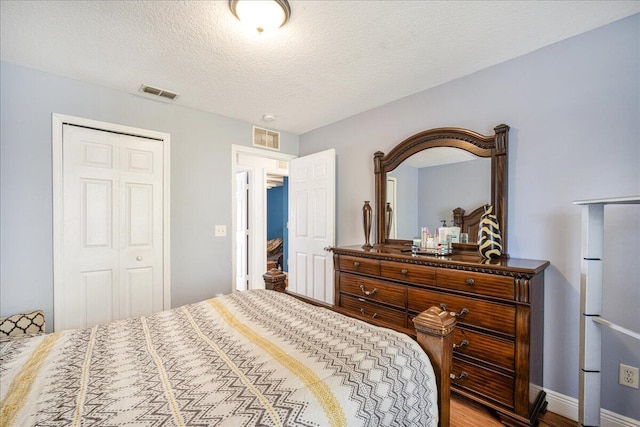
x: 158, y: 92
x: 266, y: 138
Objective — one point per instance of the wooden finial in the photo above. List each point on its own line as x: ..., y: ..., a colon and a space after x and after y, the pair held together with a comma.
x: 275, y: 279
x: 434, y: 329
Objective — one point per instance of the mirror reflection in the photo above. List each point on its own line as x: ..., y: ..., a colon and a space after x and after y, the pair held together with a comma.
x: 425, y: 189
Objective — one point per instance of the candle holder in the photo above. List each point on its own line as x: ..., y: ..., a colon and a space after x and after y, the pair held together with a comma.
x: 366, y: 221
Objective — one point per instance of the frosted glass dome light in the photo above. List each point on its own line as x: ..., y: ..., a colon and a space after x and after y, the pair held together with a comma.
x: 261, y: 15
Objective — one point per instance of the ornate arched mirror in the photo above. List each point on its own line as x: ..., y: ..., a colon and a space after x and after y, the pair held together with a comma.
x: 443, y: 174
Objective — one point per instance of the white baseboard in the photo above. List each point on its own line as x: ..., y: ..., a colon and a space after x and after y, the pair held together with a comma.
x: 568, y: 408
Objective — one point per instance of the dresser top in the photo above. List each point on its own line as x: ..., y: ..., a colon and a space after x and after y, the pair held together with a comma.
x: 455, y: 260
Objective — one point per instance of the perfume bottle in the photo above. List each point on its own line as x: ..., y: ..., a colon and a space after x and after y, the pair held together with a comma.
x: 424, y: 236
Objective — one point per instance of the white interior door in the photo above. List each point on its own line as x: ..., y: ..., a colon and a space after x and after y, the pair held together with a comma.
x: 257, y: 227
x: 242, y: 230
x: 258, y: 164
x: 312, y: 225
x: 112, y: 231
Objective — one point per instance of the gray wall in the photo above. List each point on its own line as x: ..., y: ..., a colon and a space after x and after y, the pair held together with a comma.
x: 439, y: 193
x: 200, y: 183
x: 574, y: 112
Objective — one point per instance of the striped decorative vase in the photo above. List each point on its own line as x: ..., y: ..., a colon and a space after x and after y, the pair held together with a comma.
x: 489, y: 239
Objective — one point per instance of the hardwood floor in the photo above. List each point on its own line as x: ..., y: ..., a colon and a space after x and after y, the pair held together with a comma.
x: 466, y: 413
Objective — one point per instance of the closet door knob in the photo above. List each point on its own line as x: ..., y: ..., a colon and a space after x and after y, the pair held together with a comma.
x: 138, y: 258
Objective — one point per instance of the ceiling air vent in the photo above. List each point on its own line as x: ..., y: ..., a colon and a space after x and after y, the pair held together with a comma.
x: 158, y: 92
x: 266, y: 138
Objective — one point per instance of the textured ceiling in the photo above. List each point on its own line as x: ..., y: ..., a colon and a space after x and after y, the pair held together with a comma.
x: 332, y: 60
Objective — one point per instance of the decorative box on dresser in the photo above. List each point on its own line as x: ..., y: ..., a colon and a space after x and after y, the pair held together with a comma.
x: 499, y: 305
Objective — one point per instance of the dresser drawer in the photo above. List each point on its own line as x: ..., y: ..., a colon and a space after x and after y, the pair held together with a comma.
x: 487, y: 383
x: 359, y: 265
x: 419, y: 274
x: 374, y: 290
x: 376, y: 312
x: 479, y: 283
x: 494, y: 350
x: 484, y: 314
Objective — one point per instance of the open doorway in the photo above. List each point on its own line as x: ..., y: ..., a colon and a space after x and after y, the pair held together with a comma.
x: 310, y: 228
x: 255, y: 171
x: 277, y: 219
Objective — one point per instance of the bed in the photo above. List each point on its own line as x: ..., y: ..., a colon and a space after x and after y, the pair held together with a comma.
x: 253, y: 358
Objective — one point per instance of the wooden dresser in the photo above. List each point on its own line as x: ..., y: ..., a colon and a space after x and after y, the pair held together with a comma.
x: 499, y: 304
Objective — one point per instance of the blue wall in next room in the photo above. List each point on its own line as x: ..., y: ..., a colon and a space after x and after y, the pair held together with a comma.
x: 274, y: 213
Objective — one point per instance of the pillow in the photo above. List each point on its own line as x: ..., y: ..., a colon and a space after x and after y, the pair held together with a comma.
x: 22, y: 324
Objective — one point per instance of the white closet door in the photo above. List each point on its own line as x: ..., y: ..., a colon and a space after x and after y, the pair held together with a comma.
x: 141, y: 288
x: 112, y: 231
x: 311, y: 225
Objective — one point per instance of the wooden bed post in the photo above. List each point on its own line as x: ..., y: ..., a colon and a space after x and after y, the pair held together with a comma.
x: 275, y: 280
x: 434, y: 329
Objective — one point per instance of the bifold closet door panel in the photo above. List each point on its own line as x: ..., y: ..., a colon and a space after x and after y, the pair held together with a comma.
x: 112, y: 252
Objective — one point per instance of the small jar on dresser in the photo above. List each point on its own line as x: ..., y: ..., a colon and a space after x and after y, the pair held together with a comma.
x: 499, y: 304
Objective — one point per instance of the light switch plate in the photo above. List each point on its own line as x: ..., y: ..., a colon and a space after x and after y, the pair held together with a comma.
x: 221, y: 230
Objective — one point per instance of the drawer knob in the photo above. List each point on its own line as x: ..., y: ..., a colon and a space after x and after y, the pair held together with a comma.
x: 362, y: 311
x: 368, y: 293
x: 375, y: 315
x: 463, y: 343
x: 461, y: 313
x: 356, y: 264
x: 469, y: 282
x: 404, y: 271
x: 459, y: 377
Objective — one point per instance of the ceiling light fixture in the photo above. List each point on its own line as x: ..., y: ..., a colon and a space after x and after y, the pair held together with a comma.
x: 268, y: 117
x: 261, y: 15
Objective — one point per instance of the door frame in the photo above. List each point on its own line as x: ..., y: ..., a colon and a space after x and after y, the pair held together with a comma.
x: 57, y: 123
x: 255, y: 242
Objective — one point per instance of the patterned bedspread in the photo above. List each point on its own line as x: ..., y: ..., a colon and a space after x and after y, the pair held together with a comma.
x: 256, y: 358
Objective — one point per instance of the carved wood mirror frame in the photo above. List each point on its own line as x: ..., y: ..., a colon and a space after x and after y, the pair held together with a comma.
x: 488, y: 146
